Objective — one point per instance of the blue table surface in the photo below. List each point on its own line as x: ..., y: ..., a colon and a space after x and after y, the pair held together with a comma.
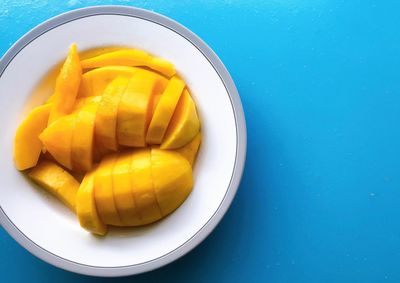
x: 320, y: 195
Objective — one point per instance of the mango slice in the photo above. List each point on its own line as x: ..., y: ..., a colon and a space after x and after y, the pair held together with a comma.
x: 130, y: 57
x: 27, y: 145
x: 106, y: 116
x: 67, y: 86
x: 133, y: 110
x: 162, y: 66
x: 84, y: 101
x: 190, y: 150
x: 122, y: 188
x: 171, y: 186
x: 86, y: 209
x: 83, y: 138
x: 164, y: 111
x: 57, y: 181
x: 57, y: 139
x: 184, y: 124
x: 124, y: 57
x: 143, y: 187
x: 103, y: 191
x: 95, y: 81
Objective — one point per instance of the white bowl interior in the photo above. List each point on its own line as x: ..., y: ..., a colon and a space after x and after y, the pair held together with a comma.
x: 50, y: 225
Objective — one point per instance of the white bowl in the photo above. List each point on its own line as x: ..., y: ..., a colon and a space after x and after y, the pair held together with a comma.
x: 47, y: 229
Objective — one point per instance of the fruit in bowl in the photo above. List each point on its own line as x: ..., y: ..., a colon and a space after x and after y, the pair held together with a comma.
x: 117, y: 140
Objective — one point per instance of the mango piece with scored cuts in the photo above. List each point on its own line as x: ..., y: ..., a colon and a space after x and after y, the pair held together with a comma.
x: 184, y: 124
x: 164, y: 110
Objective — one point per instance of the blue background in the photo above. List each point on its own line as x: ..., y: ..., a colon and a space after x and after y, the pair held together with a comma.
x: 320, y: 195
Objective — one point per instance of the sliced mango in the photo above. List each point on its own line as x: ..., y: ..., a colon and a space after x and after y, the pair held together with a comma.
x: 162, y: 66
x: 83, y: 138
x: 103, y: 191
x: 67, y: 85
x: 106, y: 116
x: 190, y: 150
x: 83, y: 101
x: 153, y: 104
x: 133, y: 110
x: 164, y: 111
x: 27, y: 145
x: 130, y: 57
x: 171, y: 186
x: 95, y: 81
x: 57, y: 139
x: 86, y: 208
x: 184, y: 124
x: 57, y: 181
x: 143, y: 187
x: 124, y: 57
x: 122, y: 188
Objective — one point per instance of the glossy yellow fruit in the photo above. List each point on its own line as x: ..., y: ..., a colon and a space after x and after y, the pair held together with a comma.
x: 86, y: 207
x: 163, y: 66
x: 128, y: 99
x: 133, y: 110
x: 164, y: 110
x: 27, y: 145
x: 57, y: 181
x: 143, y: 187
x: 122, y: 188
x: 123, y: 57
x: 130, y: 57
x: 95, y: 81
x: 57, y: 139
x: 184, y: 124
x: 67, y: 85
x: 190, y: 150
x: 103, y: 191
x: 106, y: 116
x: 172, y: 186
x: 83, y: 138
x: 83, y: 101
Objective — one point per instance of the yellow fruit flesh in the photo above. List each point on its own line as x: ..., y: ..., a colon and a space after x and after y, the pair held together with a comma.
x: 106, y: 116
x: 189, y: 151
x: 84, y: 101
x: 171, y: 186
x: 103, y: 192
x: 122, y: 188
x: 83, y: 138
x: 124, y: 57
x: 143, y: 187
x: 27, y: 145
x: 90, y: 115
x: 133, y: 110
x: 132, y: 58
x: 164, y: 111
x: 57, y: 139
x: 95, y: 81
x: 162, y: 66
x: 184, y: 124
x: 86, y: 209
x: 57, y: 181
x: 67, y: 85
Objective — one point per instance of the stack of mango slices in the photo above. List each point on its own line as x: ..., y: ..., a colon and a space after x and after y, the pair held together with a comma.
x: 117, y: 140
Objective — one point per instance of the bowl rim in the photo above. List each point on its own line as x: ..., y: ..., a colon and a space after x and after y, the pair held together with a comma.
x: 241, y: 135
